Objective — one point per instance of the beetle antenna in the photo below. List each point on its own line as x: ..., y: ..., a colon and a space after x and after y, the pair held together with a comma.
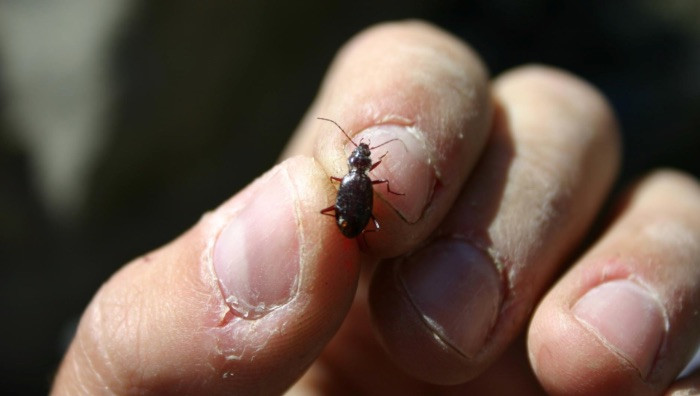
x: 388, y: 141
x: 339, y: 127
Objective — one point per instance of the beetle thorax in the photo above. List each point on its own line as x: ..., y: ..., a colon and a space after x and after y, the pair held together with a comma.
x: 360, y: 159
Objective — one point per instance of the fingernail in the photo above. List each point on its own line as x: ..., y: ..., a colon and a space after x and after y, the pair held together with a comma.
x: 626, y: 318
x: 406, y: 166
x: 256, y: 256
x: 457, y: 290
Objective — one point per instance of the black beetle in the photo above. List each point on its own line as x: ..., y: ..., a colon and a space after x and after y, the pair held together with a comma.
x: 353, y: 205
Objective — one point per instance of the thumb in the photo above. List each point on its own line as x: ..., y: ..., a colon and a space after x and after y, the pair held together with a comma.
x: 244, y: 301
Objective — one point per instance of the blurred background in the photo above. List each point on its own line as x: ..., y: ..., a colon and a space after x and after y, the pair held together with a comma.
x: 122, y: 122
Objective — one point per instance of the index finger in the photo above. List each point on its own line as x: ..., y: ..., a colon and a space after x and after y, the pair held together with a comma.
x: 411, y: 82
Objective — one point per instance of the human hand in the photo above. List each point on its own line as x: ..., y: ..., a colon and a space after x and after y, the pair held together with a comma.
x: 502, y: 182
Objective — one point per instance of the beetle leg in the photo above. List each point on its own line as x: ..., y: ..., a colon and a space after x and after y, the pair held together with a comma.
x: 376, y: 164
x: 328, y: 209
x: 376, y: 224
x: 366, y: 230
x: 338, y: 179
x: 363, y: 240
x: 387, y: 186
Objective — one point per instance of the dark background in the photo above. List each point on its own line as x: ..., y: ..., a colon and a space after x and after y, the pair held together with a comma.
x: 205, y: 95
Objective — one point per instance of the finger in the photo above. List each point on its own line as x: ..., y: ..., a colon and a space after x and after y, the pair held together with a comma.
x: 624, y: 319
x: 412, y: 82
x: 241, y: 303
x: 448, y: 310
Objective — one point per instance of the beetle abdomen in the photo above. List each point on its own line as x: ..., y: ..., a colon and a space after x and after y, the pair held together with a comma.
x: 353, y: 206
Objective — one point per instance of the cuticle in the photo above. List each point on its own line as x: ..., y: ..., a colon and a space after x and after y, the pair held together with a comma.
x: 500, y: 265
x: 433, y: 190
x: 301, y: 236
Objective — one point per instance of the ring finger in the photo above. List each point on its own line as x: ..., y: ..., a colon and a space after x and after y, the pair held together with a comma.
x: 629, y: 306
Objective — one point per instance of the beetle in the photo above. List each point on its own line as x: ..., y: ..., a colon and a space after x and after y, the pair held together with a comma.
x: 353, y: 204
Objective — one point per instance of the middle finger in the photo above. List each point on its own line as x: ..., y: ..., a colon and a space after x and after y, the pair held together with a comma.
x: 450, y: 309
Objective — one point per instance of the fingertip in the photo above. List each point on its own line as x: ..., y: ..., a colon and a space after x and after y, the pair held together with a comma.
x: 439, y: 110
x: 568, y: 360
x: 282, y: 341
x: 575, y: 99
x: 553, y: 81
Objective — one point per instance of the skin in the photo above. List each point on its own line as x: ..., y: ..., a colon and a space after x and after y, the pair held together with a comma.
x: 516, y: 169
